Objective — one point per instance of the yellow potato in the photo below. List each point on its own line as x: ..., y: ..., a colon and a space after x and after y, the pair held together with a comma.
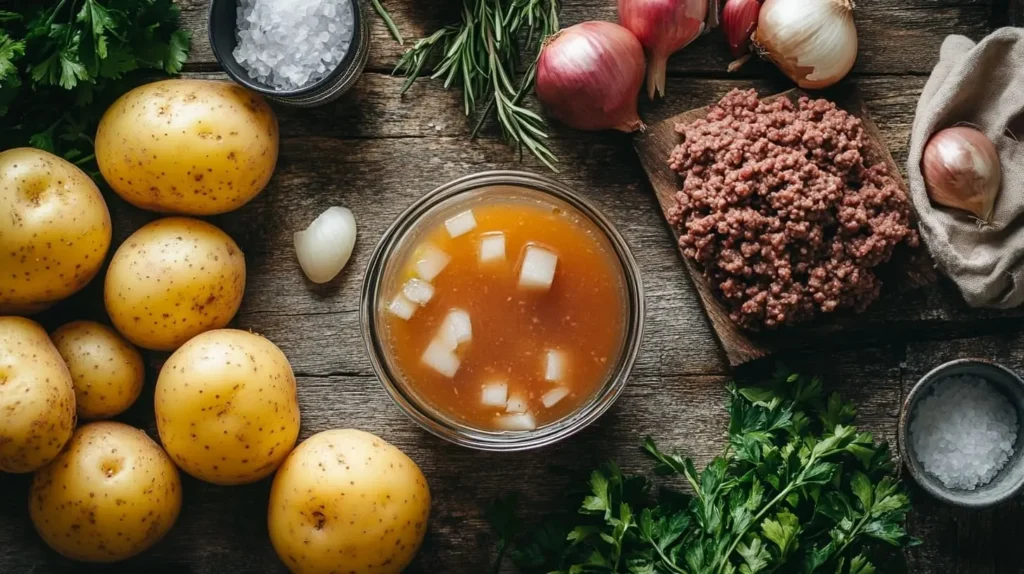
x: 54, y: 230
x: 106, y: 370
x: 173, y: 279
x: 110, y: 495
x: 188, y: 146
x: 37, y: 400
x: 226, y: 407
x: 348, y: 501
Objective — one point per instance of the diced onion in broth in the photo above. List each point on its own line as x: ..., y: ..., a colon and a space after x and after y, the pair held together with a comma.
x: 494, y: 394
x: 440, y: 358
x: 492, y: 247
x: 516, y: 404
x: 402, y: 307
x: 554, y: 370
x: 517, y: 422
x: 418, y: 291
x: 461, y: 224
x: 552, y: 397
x: 456, y: 329
x: 538, y: 269
x: 430, y: 262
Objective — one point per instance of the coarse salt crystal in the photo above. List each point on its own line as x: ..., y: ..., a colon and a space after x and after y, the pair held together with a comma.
x: 288, y: 44
x: 964, y: 432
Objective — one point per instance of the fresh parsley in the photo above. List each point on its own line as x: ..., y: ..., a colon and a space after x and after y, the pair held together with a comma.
x: 798, y: 489
x: 63, y: 62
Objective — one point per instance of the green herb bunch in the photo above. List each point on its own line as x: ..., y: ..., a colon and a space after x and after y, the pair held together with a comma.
x: 798, y: 489
x: 482, y: 55
x: 63, y: 62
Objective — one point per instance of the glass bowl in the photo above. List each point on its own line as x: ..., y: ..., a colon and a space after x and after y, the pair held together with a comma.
x: 400, y: 238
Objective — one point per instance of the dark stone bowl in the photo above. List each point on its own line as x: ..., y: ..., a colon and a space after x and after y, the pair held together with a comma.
x: 1008, y: 482
x: 222, y: 25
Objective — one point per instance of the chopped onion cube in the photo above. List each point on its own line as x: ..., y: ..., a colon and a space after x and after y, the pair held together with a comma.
x: 430, y: 262
x: 461, y: 224
x: 538, y: 270
x: 492, y: 247
x: 516, y: 403
x: 440, y: 358
x: 494, y: 394
x: 402, y: 307
x: 517, y: 422
x: 456, y: 329
x: 418, y: 291
x: 552, y: 397
x: 554, y: 371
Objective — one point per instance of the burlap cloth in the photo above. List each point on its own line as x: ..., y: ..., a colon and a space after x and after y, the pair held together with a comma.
x: 981, y: 84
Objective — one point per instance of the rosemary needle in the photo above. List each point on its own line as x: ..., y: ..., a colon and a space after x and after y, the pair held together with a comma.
x: 383, y: 13
x: 481, y: 55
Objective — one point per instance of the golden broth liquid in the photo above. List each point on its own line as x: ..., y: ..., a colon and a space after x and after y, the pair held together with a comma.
x: 582, y: 315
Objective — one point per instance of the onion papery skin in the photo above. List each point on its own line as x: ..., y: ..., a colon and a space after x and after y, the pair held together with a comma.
x: 663, y: 27
x: 589, y: 76
x: 962, y: 170
x: 814, y: 42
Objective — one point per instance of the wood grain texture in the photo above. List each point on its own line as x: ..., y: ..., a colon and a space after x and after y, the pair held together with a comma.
x: 376, y: 152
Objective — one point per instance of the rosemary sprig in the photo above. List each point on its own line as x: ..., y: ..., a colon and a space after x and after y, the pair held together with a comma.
x: 481, y: 55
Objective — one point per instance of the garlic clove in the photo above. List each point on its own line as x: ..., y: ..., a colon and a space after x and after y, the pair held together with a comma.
x: 326, y: 245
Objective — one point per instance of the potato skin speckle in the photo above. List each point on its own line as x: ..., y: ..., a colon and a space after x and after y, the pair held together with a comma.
x: 348, y: 501
x: 37, y: 400
x: 54, y: 230
x: 110, y: 495
x: 107, y: 372
x: 173, y: 279
x: 227, y: 408
x: 196, y: 147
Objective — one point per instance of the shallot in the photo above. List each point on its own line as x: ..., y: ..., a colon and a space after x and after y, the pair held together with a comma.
x: 814, y: 42
x: 663, y: 27
x: 589, y: 75
x: 739, y: 19
x: 326, y: 245
x: 961, y: 170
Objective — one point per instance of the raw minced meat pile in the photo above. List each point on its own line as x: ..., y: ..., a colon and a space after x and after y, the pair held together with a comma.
x: 781, y: 211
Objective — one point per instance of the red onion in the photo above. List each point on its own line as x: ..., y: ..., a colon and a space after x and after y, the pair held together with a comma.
x: 961, y: 170
x: 588, y: 76
x: 663, y: 27
x: 739, y: 19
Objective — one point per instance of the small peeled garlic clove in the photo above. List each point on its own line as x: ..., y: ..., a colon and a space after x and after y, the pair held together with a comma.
x: 326, y: 245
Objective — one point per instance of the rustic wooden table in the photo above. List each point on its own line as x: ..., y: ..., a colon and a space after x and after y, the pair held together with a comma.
x: 376, y: 152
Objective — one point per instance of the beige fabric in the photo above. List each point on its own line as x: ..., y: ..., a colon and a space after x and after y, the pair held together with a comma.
x: 981, y: 84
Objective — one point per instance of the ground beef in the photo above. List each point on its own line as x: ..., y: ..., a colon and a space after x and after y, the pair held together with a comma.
x: 780, y: 210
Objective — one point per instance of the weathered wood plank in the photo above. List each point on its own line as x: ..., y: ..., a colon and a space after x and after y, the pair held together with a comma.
x: 223, y: 529
x: 916, y: 28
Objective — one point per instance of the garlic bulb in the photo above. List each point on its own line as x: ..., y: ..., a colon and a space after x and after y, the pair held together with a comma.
x: 326, y: 245
x: 814, y: 42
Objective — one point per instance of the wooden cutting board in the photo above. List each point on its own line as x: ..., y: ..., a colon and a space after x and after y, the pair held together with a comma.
x: 741, y: 346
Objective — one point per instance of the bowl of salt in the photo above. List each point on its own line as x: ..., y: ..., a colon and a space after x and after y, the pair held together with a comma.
x: 302, y: 53
x: 960, y: 433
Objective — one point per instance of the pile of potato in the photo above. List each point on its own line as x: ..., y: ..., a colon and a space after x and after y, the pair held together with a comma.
x: 225, y: 400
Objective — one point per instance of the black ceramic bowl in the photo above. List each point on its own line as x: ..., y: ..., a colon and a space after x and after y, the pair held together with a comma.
x: 1008, y: 482
x: 223, y: 14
